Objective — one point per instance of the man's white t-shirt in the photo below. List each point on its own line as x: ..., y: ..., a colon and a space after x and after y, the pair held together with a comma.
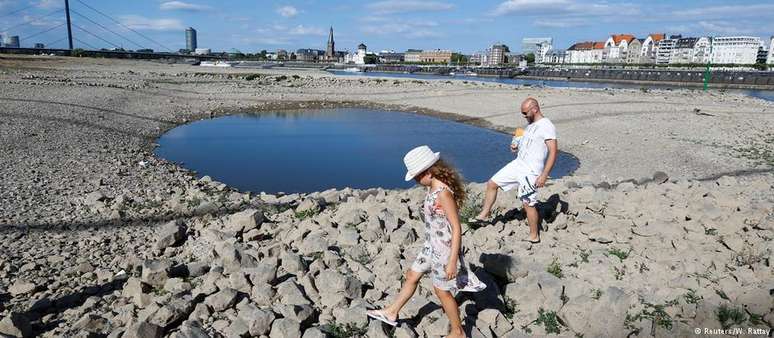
x: 532, y: 151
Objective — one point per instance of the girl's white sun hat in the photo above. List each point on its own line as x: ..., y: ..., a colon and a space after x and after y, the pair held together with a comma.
x: 418, y: 160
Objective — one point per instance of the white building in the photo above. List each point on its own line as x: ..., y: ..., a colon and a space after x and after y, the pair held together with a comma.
x: 735, y: 49
x: 650, y: 48
x: 202, y: 51
x: 586, y: 52
x: 702, y: 50
x: 770, y: 58
x: 359, y: 57
x: 664, y: 49
x: 617, y: 48
x: 682, y: 51
x: 495, y: 55
x: 542, y: 51
x: 531, y: 45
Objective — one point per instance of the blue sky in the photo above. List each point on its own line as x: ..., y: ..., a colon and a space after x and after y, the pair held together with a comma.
x: 466, y: 26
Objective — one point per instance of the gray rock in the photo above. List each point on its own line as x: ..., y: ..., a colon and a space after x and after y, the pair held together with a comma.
x: 21, y: 287
x: 292, y: 263
x: 91, y: 323
x: 170, y: 234
x: 94, y: 198
x: 245, y: 220
x: 262, y: 294
x: 222, y: 299
x: 16, y: 325
x: 335, y: 282
x: 503, y: 266
x: 238, y: 328
x: 285, y: 328
x: 135, y: 290
x: 290, y: 293
x: 310, y: 205
x: 143, y: 330
x: 191, y: 329
x: 660, y: 177
x: 314, y: 332
x: 376, y: 330
x: 258, y: 321
x: 155, y: 272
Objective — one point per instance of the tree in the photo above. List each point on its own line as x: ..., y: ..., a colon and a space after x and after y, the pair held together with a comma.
x: 459, y: 59
x: 371, y: 59
x: 530, y: 57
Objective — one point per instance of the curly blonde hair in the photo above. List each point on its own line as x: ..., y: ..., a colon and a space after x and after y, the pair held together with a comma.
x: 449, y: 176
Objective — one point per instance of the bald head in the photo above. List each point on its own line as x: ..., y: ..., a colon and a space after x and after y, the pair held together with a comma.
x: 529, y: 103
x: 530, y: 109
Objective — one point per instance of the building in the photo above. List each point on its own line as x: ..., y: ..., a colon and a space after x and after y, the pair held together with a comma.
x: 735, y: 50
x: 390, y: 56
x: 682, y: 51
x: 556, y: 57
x: 634, y: 52
x: 650, y: 48
x: 770, y: 57
x: 531, y: 45
x: 309, y: 55
x: 190, y: 39
x: 541, y: 52
x: 586, y: 52
x: 617, y: 48
x: 496, y: 55
x: 1, y: 40
x: 702, y: 50
x: 664, y: 49
x: 202, y: 51
x: 412, y: 55
x: 436, y: 56
x: 12, y: 41
x: 359, y: 57
x: 330, y: 51
x: 762, y: 54
x: 39, y: 46
x: 282, y: 54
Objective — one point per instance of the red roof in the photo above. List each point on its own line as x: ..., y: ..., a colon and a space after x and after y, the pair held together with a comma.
x: 617, y: 38
x: 586, y: 45
x: 657, y: 37
x: 599, y: 45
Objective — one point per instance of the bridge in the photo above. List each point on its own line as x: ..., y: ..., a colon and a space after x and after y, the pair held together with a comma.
x: 105, y: 53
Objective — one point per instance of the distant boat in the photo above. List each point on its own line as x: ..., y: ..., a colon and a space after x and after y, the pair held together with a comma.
x: 215, y: 64
x: 353, y: 70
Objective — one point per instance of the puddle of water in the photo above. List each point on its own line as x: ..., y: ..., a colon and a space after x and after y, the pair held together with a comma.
x: 315, y: 150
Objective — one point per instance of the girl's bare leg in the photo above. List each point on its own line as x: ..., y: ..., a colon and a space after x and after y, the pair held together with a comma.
x: 406, y: 291
x: 452, y: 311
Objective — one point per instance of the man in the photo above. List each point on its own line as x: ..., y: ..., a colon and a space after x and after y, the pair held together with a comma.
x: 529, y: 170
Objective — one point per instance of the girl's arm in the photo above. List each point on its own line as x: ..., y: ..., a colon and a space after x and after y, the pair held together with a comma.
x: 450, y: 209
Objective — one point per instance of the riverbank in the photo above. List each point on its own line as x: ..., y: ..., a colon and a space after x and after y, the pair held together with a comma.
x: 84, y: 204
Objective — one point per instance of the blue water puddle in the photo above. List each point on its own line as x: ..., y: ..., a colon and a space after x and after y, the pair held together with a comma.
x: 315, y: 150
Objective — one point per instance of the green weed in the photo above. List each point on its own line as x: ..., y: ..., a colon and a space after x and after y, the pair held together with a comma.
x: 555, y: 269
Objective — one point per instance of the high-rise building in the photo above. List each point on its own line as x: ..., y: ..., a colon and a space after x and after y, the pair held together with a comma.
x: 190, y: 39
x: 1, y: 41
x: 530, y: 45
x: 735, y: 49
x: 665, y: 47
x: 40, y: 45
x: 330, y: 51
x: 496, y: 55
x: 770, y: 58
x: 12, y: 42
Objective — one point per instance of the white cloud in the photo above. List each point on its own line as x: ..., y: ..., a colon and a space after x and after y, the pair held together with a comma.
x: 723, y: 27
x: 34, y: 21
x: 404, y: 6
x: 183, y: 6
x: 143, y: 23
x: 287, y: 11
x: 756, y: 10
x: 305, y: 30
x: 50, y: 4
x: 562, y: 22
x: 404, y: 28
x: 564, y: 7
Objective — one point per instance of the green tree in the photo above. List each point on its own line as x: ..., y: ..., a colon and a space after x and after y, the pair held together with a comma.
x: 530, y: 57
x: 459, y: 59
x: 371, y: 59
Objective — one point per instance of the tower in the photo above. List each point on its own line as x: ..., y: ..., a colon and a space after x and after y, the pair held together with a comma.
x: 330, y: 52
x: 190, y: 39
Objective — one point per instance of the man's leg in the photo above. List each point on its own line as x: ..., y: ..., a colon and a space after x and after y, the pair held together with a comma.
x: 533, y: 219
x: 489, y: 199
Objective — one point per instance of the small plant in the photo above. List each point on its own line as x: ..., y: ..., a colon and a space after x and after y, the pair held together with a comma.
x: 555, y: 269
x: 642, y: 267
x: 549, y: 320
x: 302, y: 215
x: 596, y: 294
x: 471, y: 208
x: 584, y: 255
x: 728, y: 316
x: 363, y: 258
x: 710, y: 232
x: 619, y: 272
x: 622, y: 255
x: 251, y: 77
x: 655, y: 313
x: 691, y: 297
x: 336, y: 330
x: 296, y: 77
x: 721, y: 294
x: 280, y: 78
x: 749, y: 257
x: 511, y: 308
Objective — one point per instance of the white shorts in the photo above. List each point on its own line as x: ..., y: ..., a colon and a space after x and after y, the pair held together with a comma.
x: 515, y: 175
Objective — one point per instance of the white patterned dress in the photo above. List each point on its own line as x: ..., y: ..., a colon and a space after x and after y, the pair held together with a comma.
x: 435, y: 253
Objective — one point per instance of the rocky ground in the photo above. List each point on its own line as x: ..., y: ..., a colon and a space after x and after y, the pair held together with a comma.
x: 100, y: 238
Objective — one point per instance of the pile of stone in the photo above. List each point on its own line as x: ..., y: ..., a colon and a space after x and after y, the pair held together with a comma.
x: 645, y: 257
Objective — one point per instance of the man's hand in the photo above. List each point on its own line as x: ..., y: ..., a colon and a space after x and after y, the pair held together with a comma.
x: 541, y: 181
x: 451, y: 271
x: 514, y: 148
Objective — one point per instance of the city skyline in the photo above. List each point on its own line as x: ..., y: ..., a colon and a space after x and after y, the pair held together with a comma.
x: 399, y: 25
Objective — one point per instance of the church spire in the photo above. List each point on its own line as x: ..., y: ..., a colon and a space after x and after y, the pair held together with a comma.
x: 330, y: 52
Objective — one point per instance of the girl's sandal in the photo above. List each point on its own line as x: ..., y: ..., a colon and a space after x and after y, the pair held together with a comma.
x: 379, y: 315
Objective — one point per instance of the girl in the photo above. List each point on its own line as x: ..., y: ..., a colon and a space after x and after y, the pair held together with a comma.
x: 442, y: 251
